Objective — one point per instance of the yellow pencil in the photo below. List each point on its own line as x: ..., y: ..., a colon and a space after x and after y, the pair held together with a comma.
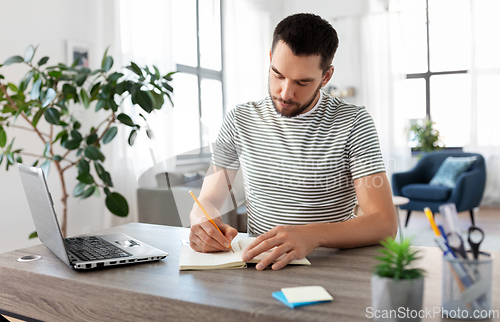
x: 429, y: 215
x: 207, y: 215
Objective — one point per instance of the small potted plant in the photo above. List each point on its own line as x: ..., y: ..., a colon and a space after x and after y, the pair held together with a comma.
x: 397, y: 287
x: 427, y: 138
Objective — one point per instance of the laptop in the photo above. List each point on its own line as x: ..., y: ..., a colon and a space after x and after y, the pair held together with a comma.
x: 83, y: 252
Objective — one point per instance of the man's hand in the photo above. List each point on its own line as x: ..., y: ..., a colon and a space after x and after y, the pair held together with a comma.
x: 289, y: 243
x: 205, y: 238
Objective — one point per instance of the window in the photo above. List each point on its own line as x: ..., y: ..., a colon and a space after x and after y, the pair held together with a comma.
x: 197, y: 47
x: 437, y: 47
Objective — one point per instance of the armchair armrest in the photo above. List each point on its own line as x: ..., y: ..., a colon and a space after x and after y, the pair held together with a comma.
x: 469, y: 190
x: 402, y: 179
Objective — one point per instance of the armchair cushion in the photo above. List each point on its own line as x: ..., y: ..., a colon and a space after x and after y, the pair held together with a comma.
x: 422, y: 191
x: 450, y: 169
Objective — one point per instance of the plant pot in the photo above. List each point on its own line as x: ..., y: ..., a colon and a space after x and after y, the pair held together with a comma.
x: 396, y: 301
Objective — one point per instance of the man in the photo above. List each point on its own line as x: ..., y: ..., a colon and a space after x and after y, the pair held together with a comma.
x: 305, y: 157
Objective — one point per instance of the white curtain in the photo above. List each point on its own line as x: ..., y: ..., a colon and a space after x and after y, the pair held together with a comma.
x: 380, y: 39
x: 144, y: 38
x: 485, y: 75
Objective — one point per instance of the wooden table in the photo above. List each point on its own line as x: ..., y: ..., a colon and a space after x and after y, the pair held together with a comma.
x: 49, y: 290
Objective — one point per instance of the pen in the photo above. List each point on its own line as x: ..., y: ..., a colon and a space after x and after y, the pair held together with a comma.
x: 207, y: 215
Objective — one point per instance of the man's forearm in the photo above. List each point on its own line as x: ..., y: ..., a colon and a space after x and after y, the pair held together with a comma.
x: 368, y: 229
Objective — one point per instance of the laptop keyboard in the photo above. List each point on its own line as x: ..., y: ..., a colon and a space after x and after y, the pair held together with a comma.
x: 93, y: 248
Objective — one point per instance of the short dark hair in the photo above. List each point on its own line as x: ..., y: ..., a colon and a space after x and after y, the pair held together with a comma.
x: 308, y: 34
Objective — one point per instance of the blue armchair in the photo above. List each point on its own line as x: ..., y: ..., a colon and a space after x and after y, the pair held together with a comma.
x: 414, y: 184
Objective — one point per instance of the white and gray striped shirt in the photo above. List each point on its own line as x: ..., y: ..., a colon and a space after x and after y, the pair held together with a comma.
x: 299, y: 170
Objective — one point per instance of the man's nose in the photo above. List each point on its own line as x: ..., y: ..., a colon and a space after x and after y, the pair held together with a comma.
x: 287, y: 91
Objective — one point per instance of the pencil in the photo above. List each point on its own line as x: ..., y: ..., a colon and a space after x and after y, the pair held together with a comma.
x: 429, y: 215
x: 207, y: 215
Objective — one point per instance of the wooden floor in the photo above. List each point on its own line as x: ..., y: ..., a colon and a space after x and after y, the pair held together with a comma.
x: 486, y: 218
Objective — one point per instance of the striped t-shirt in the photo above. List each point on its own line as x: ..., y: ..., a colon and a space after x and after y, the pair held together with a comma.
x: 299, y: 170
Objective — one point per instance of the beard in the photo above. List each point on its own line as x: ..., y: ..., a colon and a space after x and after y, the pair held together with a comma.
x: 297, y: 108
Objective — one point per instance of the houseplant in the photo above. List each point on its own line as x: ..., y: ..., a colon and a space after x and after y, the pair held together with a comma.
x: 44, y: 102
x: 426, y: 136
x: 397, y: 287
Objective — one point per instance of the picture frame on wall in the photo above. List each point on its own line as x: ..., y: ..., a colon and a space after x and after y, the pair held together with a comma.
x: 77, y: 51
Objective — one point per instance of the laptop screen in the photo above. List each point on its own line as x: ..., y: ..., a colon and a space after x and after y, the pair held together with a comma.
x: 42, y: 210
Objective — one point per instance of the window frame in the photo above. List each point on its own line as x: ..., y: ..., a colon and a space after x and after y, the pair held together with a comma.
x: 204, y: 73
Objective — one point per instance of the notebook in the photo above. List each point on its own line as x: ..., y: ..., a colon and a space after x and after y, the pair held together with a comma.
x: 193, y: 260
x: 85, y: 252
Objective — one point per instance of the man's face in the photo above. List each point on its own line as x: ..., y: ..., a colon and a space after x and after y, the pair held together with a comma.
x: 295, y: 81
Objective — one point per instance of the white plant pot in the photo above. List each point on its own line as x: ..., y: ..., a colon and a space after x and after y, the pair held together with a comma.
x: 396, y: 301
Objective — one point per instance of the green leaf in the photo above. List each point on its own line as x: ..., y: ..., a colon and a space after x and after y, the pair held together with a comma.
x: 81, y: 79
x: 95, y: 89
x: 133, y: 67
x: 99, y: 169
x: 85, y: 177
x: 71, y: 144
x: 3, y: 137
x: 105, y: 55
x: 52, y: 116
x: 143, y: 98
x: 106, y: 191
x: 100, y: 104
x: 92, y: 138
x: 117, y: 204
x: 57, y: 157
x: 168, y: 77
x: 19, y: 159
x: 49, y: 97
x: 77, y: 125
x: 69, y: 89
x: 47, y: 149
x: 93, y: 153
x: 1, y: 158
x: 107, y: 64
x: 46, y: 168
x: 109, y: 135
x: 85, y: 98
x: 55, y: 74
x: 79, y: 189
x: 83, y: 166
x: 125, y: 119
x: 132, y: 137
x: 150, y: 134
x: 158, y: 100
x: 59, y: 135
x: 35, y: 90
x: 76, y: 135
x: 28, y: 54
x: 13, y: 60
x: 115, y: 76
x: 43, y: 61
x: 33, y: 235
x: 88, y: 192
x: 13, y: 87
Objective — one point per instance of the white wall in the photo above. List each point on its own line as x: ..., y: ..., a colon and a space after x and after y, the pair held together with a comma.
x: 48, y: 24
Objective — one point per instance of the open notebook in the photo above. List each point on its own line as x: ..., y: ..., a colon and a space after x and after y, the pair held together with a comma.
x: 193, y: 260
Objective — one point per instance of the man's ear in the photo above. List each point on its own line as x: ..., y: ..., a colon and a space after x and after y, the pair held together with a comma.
x: 328, y: 75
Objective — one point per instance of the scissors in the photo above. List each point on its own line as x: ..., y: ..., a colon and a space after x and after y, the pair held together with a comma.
x: 475, y: 237
x: 473, y: 240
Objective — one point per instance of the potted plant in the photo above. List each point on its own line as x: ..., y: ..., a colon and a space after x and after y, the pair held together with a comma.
x: 426, y: 137
x: 397, y: 287
x: 45, y: 102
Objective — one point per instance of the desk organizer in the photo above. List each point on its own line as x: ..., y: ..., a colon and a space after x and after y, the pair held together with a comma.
x: 467, y: 287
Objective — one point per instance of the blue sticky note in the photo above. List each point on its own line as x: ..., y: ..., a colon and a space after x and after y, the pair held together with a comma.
x: 281, y: 297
